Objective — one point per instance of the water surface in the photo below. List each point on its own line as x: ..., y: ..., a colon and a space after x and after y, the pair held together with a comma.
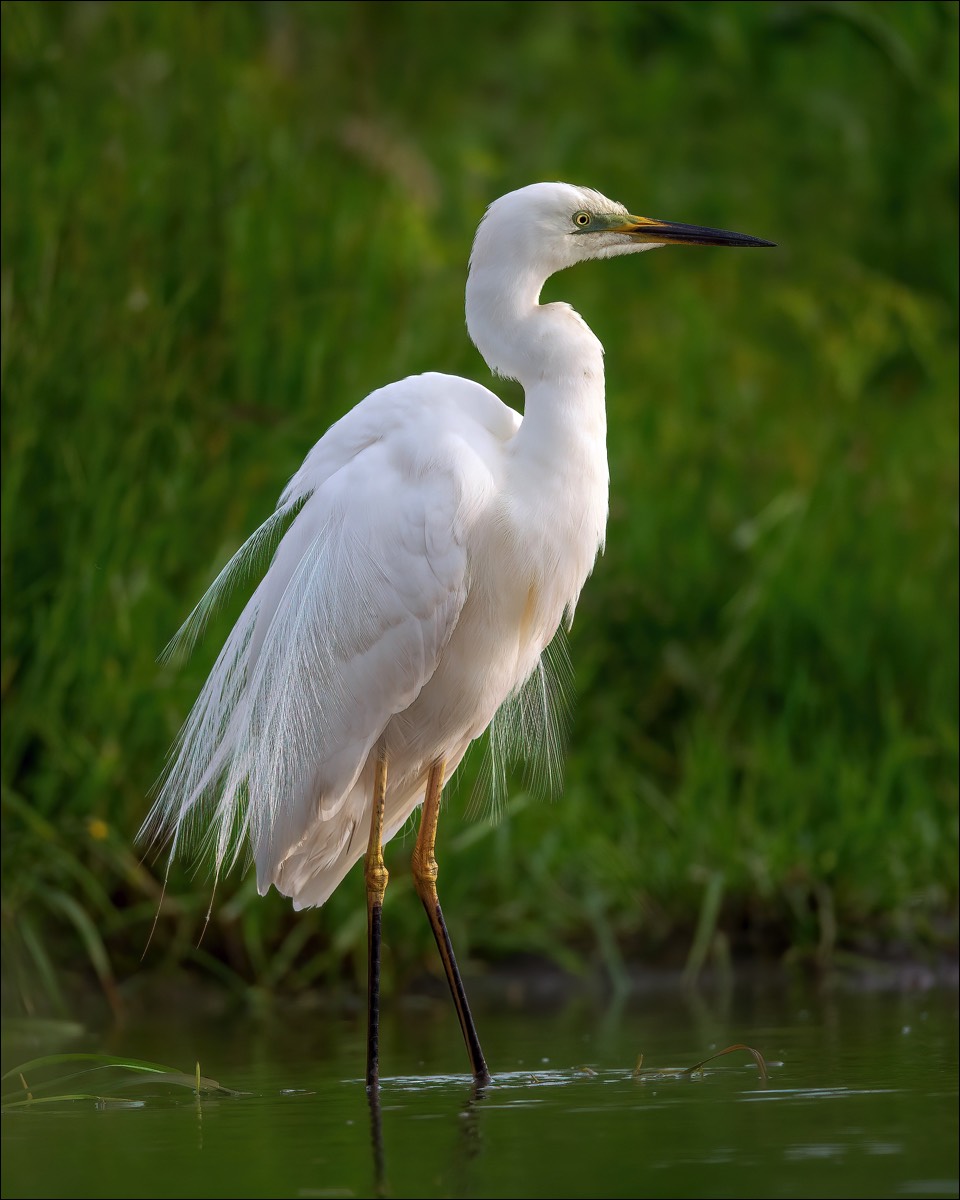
x: 861, y: 1100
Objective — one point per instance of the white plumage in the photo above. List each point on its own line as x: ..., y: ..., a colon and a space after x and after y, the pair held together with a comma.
x: 438, y: 542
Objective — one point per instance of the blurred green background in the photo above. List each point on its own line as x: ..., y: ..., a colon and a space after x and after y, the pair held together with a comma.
x: 223, y: 224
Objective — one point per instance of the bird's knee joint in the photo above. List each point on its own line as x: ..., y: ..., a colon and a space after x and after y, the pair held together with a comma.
x: 377, y: 878
x: 425, y: 870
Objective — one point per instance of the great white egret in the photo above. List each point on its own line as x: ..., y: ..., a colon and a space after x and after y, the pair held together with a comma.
x: 435, y: 541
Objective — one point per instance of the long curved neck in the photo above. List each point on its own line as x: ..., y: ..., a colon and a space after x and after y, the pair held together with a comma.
x: 549, y: 349
x: 560, y: 448
x: 519, y: 337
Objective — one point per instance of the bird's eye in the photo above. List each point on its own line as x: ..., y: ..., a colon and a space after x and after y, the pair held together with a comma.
x: 582, y: 219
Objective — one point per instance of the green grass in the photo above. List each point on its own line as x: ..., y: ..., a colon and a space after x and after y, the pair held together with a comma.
x: 25, y: 1090
x: 223, y: 224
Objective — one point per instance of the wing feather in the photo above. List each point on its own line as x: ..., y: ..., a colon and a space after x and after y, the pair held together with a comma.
x: 347, y: 625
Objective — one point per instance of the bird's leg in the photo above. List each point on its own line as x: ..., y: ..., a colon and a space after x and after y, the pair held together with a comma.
x: 425, y: 878
x: 376, y: 876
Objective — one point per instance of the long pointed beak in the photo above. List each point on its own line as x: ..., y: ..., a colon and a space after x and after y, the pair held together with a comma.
x: 647, y: 229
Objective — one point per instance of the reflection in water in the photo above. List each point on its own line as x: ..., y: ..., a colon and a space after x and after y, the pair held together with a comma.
x: 469, y: 1141
x: 376, y: 1139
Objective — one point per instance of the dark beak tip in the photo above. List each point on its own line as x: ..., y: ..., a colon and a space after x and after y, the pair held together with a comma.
x: 749, y: 242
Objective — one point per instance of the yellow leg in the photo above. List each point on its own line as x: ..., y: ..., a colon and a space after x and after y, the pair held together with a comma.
x: 425, y: 878
x: 376, y: 876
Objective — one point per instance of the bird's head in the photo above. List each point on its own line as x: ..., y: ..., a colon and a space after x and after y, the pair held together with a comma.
x: 551, y: 226
x: 529, y: 235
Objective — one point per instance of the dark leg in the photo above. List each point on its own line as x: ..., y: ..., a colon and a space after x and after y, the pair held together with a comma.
x: 376, y: 876
x: 425, y: 878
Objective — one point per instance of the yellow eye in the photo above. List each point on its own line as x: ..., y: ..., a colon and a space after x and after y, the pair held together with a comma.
x: 582, y: 219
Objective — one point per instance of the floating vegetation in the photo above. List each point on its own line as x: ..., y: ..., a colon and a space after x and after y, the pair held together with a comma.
x: 99, y: 1080
x: 697, y: 1071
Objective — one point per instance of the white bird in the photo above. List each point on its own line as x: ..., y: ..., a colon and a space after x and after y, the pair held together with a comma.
x: 436, y: 541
